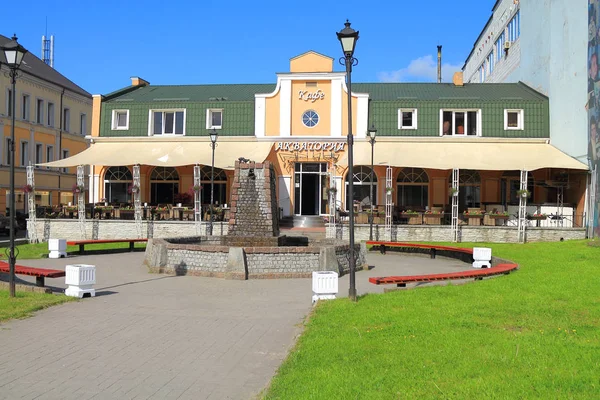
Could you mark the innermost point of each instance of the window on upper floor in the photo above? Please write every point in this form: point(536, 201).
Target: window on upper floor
point(120, 120)
point(167, 122)
point(65, 154)
point(67, 120)
point(407, 118)
point(460, 122)
point(214, 118)
point(24, 153)
point(490, 62)
point(8, 153)
point(83, 124)
point(500, 46)
point(9, 106)
point(51, 114)
point(513, 120)
point(49, 154)
point(39, 111)
point(514, 27)
point(25, 107)
point(39, 154)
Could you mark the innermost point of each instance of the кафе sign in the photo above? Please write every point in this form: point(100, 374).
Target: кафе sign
point(310, 146)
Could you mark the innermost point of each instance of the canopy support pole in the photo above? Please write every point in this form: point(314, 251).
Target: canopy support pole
point(197, 199)
point(389, 205)
point(454, 192)
point(522, 208)
point(32, 228)
point(137, 204)
point(81, 199)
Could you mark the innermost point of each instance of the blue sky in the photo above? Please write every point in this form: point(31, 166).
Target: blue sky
point(99, 45)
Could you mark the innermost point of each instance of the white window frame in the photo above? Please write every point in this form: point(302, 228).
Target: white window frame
point(115, 120)
point(460, 110)
point(169, 110)
point(520, 120)
point(49, 154)
point(414, 113)
point(209, 112)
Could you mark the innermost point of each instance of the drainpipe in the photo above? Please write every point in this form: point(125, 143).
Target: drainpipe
point(439, 65)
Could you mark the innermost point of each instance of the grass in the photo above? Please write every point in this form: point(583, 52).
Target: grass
point(532, 334)
point(25, 303)
point(40, 250)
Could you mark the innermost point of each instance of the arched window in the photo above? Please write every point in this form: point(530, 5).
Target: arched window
point(469, 194)
point(412, 188)
point(164, 185)
point(362, 187)
point(510, 184)
point(116, 183)
point(220, 185)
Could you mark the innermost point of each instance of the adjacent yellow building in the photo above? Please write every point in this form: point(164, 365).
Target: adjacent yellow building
point(52, 115)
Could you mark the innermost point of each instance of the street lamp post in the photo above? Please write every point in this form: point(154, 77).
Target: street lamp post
point(14, 53)
point(214, 135)
point(371, 133)
point(348, 38)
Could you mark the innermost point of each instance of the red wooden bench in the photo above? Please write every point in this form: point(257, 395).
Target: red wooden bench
point(401, 281)
point(82, 243)
point(39, 273)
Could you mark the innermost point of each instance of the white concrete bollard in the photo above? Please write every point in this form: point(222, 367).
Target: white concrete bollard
point(81, 279)
point(324, 285)
point(57, 248)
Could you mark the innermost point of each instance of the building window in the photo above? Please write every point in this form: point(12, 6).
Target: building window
point(413, 188)
point(164, 185)
point(362, 188)
point(39, 116)
point(214, 119)
point(39, 154)
point(65, 154)
point(67, 120)
point(310, 118)
point(49, 154)
point(120, 120)
point(500, 46)
point(513, 120)
point(116, 184)
point(490, 62)
point(460, 122)
point(483, 72)
point(83, 124)
point(24, 154)
point(25, 107)
point(8, 153)
point(51, 115)
point(167, 122)
point(220, 185)
point(407, 118)
point(514, 27)
point(9, 102)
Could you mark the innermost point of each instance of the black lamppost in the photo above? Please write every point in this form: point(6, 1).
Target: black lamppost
point(371, 133)
point(348, 38)
point(214, 135)
point(14, 53)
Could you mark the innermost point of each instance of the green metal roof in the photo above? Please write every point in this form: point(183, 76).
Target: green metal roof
point(233, 92)
point(377, 92)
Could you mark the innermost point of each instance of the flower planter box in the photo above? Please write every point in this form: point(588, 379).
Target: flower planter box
point(57, 248)
point(81, 279)
point(495, 220)
point(362, 218)
point(432, 219)
point(413, 219)
point(474, 220)
point(541, 218)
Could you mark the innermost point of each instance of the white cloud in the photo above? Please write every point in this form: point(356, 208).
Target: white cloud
point(420, 69)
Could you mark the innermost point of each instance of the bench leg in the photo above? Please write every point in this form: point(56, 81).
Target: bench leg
point(432, 253)
point(81, 246)
point(39, 281)
point(131, 246)
point(401, 285)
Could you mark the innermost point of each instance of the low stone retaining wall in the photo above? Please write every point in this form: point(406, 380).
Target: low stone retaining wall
point(69, 229)
point(442, 233)
point(210, 258)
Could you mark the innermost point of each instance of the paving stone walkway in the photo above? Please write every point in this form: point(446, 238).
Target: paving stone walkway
point(148, 336)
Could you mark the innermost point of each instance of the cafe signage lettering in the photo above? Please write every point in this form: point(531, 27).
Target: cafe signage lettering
point(311, 96)
point(310, 146)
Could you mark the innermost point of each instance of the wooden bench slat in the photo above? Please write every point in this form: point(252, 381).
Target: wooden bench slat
point(32, 271)
point(479, 273)
point(90, 241)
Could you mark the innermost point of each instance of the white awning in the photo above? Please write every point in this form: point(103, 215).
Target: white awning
point(478, 155)
point(166, 153)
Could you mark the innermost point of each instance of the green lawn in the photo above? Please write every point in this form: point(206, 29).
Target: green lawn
point(25, 303)
point(40, 250)
point(532, 334)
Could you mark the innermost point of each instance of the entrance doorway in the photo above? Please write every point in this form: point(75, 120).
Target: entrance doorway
point(310, 188)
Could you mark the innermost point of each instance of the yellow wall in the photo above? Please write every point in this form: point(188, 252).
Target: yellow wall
point(345, 113)
point(311, 62)
point(322, 106)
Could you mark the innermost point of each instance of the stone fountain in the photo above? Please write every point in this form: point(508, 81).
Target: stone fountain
point(253, 247)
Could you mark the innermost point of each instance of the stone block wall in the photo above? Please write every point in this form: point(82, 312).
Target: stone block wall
point(253, 201)
point(282, 262)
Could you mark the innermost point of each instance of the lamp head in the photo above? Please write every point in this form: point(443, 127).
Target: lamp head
point(214, 135)
point(372, 132)
point(348, 38)
point(14, 53)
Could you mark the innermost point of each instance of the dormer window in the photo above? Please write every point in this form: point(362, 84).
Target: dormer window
point(214, 118)
point(167, 122)
point(460, 123)
point(407, 118)
point(120, 120)
point(513, 120)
